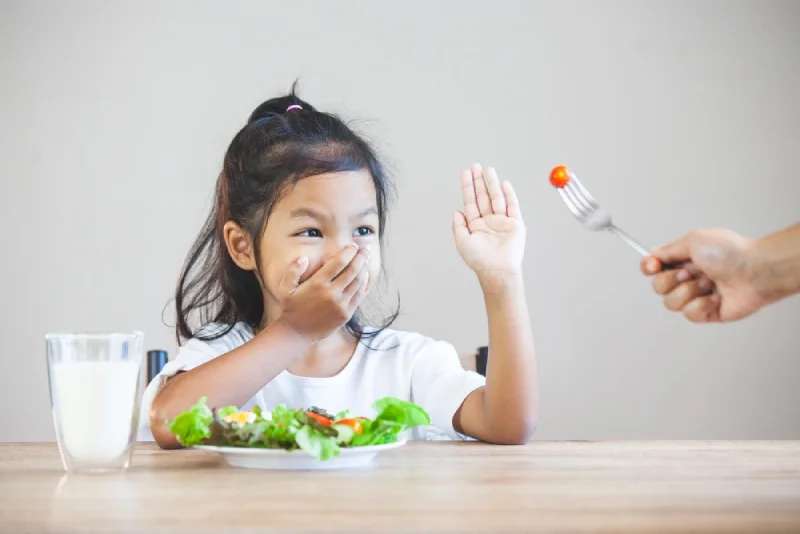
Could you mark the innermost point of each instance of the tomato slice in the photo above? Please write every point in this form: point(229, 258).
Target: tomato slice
point(354, 423)
point(321, 419)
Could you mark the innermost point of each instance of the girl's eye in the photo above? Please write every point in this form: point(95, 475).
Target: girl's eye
point(313, 232)
point(363, 231)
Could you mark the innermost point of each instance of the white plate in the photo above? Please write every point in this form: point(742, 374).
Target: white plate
point(297, 459)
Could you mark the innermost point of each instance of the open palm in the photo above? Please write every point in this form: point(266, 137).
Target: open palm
point(489, 233)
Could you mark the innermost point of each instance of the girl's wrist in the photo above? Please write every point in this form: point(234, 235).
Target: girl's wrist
point(500, 283)
point(285, 331)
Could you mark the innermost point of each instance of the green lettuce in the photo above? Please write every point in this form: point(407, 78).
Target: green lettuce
point(193, 426)
point(394, 417)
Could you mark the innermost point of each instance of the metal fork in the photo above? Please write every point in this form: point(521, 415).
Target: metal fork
point(586, 209)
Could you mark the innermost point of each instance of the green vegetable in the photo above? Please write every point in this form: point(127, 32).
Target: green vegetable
point(394, 417)
point(400, 411)
point(291, 429)
point(316, 444)
point(226, 410)
point(343, 415)
point(193, 426)
point(345, 434)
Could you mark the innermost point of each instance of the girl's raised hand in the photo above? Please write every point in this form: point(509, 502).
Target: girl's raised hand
point(317, 307)
point(489, 233)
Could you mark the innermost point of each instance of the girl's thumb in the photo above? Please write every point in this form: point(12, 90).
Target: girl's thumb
point(291, 278)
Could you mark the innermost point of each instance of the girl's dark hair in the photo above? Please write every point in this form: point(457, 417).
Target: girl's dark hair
point(275, 149)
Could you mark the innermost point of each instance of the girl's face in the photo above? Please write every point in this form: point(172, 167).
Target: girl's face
point(316, 218)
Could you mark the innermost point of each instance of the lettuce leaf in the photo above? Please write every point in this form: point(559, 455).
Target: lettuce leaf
point(316, 444)
point(225, 411)
point(394, 417)
point(193, 426)
point(402, 412)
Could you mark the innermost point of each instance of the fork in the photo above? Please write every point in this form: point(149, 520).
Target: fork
point(586, 209)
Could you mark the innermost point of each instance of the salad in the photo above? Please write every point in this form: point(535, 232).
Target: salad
point(314, 430)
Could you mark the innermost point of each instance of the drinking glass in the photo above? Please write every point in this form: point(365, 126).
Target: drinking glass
point(95, 380)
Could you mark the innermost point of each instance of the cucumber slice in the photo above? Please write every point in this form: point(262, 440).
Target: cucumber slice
point(345, 434)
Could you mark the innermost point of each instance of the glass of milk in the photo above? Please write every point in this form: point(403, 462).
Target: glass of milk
point(94, 392)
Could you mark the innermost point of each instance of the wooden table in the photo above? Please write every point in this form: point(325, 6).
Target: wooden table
point(423, 487)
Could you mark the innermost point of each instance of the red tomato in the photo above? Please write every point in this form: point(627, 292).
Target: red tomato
point(321, 419)
point(559, 177)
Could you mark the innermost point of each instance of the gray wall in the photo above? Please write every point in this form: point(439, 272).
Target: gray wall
point(114, 118)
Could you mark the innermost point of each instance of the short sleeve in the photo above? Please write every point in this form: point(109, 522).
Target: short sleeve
point(440, 384)
point(193, 354)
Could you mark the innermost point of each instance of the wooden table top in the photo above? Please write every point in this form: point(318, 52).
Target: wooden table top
point(422, 487)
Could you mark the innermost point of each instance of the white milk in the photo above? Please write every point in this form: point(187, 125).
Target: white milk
point(95, 403)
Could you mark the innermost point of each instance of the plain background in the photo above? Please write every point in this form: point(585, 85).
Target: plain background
point(114, 117)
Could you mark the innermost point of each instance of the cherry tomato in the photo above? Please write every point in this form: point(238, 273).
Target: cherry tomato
point(559, 177)
point(354, 423)
point(321, 419)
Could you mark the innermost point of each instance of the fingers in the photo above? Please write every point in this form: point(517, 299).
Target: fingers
point(703, 309)
point(484, 194)
point(481, 192)
point(468, 192)
point(650, 265)
point(353, 269)
point(496, 196)
point(675, 252)
point(335, 265)
point(360, 294)
point(512, 202)
point(666, 281)
point(687, 290)
point(460, 228)
point(359, 282)
point(678, 298)
point(291, 278)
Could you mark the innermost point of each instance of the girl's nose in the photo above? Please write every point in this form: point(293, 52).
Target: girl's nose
point(334, 246)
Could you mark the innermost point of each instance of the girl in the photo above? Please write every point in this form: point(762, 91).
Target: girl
point(291, 249)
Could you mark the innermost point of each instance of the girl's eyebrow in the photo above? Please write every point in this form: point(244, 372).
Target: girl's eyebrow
point(305, 212)
point(308, 212)
point(365, 213)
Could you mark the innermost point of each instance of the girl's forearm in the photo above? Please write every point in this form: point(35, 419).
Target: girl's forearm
point(511, 399)
point(231, 379)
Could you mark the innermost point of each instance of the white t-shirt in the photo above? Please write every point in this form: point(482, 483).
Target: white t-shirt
point(405, 365)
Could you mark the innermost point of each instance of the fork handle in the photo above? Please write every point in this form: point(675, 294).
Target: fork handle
point(672, 266)
point(644, 252)
point(638, 247)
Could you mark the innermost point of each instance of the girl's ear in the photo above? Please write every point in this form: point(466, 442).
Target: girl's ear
point(240, 246)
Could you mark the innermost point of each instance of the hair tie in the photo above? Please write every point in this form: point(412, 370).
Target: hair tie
point(293, 106)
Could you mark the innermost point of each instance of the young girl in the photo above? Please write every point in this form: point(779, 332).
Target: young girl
point(291, 249)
